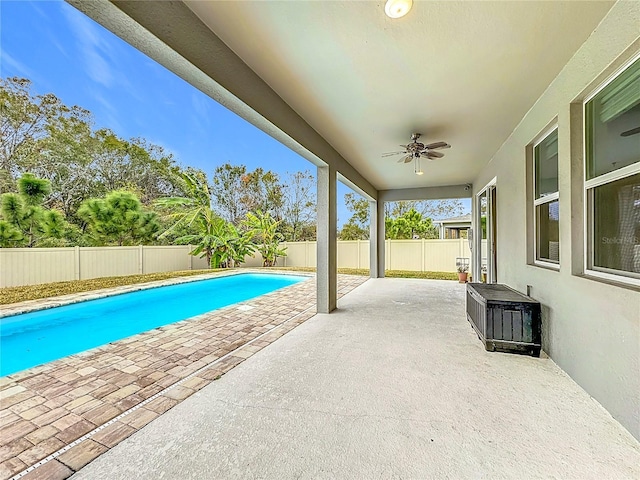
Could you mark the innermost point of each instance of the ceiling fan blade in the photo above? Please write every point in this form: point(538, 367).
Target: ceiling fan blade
point(391, 154)
point(431, 154)
point(435, 145)
point(408, 158)
point(402, 159)
point(628, 133)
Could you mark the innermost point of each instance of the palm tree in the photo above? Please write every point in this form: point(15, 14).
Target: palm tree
point(191, 209)
point(263, 228)
point(217, 240)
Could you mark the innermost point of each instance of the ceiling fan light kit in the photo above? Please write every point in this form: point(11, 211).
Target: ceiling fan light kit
point(415, 150)
point(416, 169)
point(397, 8)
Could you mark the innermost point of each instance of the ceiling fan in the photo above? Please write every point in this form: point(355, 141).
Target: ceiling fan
point(416, 150)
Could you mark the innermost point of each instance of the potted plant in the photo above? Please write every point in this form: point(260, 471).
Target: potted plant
point(463, 271)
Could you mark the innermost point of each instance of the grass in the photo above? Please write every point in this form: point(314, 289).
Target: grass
point(45, 290)
point(34, 292)
point(387, 273)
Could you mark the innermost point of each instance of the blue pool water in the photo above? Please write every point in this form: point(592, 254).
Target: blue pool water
point(39, 337)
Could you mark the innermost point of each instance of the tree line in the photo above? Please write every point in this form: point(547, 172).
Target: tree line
point(65, 183)
point(403, 220)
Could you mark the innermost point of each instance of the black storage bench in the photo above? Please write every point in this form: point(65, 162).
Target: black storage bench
point(504, 319)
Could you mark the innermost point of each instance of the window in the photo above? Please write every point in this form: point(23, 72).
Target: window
point(546, 200)
point(612, 176)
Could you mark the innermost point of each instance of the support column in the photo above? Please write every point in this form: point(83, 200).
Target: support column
point(374, 252)
point(377, 222)
point(327, 246)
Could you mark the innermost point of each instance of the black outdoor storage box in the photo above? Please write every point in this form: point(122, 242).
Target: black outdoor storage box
point(504, 319)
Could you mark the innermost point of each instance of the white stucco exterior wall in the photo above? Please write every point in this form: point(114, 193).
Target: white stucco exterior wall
point(591, 329)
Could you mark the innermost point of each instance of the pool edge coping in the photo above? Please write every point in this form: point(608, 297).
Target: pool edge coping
point(28, 306)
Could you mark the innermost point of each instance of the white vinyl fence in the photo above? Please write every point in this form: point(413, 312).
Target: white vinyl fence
point(416, 255)
point(31, 266)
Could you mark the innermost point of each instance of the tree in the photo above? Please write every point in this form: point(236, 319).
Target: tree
point(434, 209)
point(357, 227)
point(10, 236)
point(404, 219)
point(263, 191)
point(228, 193)
point(299, 207)
point(186, 214)
point(118, 218)
point(237, 192)
point(215, 238)
point(41, 135)
point(22, 124)
point(410, 225)
point(219, 241)
point(65, 160)
point(25, 220)
point(351, 231)
point(264, 230)
point(233, 246)
point(134, 164)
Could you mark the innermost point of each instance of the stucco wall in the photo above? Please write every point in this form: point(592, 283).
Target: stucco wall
point(591, 329)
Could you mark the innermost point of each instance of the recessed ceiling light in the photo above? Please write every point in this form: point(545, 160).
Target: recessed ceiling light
point(397, 8)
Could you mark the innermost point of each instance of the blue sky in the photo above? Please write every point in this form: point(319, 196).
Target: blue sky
point(64, 52)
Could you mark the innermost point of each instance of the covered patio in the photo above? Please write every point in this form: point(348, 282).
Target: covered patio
point(340, 83)
point(393, 385)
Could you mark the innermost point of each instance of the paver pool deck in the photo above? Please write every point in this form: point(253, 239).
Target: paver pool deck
point(72, 410)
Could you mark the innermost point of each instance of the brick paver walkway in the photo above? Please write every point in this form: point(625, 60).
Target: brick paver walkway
point(83, 404)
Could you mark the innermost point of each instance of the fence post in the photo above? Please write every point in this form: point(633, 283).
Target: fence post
point(422, 266)
point(358, 253)
point(140, 259)
point(388, 265)
point(190, 257)
point(284, 262)
point(76, 263)
point(306, 253)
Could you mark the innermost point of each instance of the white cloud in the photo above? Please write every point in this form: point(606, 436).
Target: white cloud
point(109, 113)
point(40, 12)
point(9, 66)
point(96, 52)
point(200, 106)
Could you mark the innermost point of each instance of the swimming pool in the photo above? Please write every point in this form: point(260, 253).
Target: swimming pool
point(34, 338)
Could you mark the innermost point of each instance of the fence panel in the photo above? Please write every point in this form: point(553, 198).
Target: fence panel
point(405, 255)
point(312, 252)
point(255, 261)
point(440, 255)
point(299, 254)
point(98, 262)
point(166, 258)
point(198, 263)
point(364, 254)
point(31, 266)
point(348, 255)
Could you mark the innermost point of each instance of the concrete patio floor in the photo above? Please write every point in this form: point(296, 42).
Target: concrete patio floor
point(393, 385)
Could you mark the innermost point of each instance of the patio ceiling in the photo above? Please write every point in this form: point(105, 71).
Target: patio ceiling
point(462, 72)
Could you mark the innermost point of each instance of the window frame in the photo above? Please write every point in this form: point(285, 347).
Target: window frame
point(552, 197)
point(588, 189)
